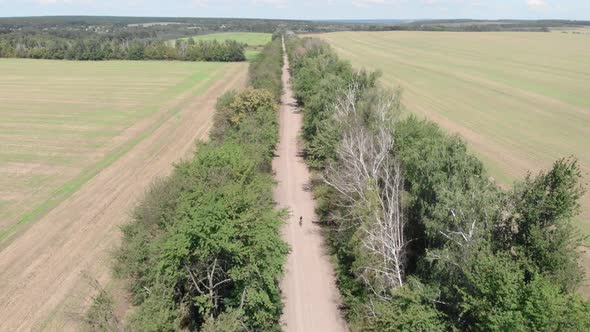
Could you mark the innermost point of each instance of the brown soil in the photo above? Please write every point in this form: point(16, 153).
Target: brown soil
point(83, 158)
point(42, 271)
point(309, 289)
point(585, 263)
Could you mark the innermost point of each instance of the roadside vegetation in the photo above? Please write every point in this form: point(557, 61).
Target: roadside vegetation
point(204, 249)
point(423, 239)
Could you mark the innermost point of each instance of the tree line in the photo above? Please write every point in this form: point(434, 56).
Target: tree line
point(204, 251)
point(168, 26)
point(117, 47)
point(424, 240)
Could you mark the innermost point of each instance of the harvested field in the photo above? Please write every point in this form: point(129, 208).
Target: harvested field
point(95, 135)
point(62, 122)
point(521, 100)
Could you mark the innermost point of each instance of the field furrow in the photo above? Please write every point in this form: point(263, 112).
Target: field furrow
point(80, 116)
point(47, 271)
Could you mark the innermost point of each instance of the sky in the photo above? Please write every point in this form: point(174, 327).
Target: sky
point(307, 9)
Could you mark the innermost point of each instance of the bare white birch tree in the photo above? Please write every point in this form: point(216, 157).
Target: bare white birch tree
point(369, 180)
point(207, 282)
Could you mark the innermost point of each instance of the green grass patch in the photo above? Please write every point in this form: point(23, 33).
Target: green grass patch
point(249, 38)
point(252, 54)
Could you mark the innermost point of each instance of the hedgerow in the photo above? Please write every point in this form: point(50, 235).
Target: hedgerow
point(204, 249)
point(472, 257)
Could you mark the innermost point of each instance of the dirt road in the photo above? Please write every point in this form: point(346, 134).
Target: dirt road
point(310, 294)
point(42, 283)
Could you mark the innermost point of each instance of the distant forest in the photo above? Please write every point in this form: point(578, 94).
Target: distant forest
point(478, 25)
point(147, 38)
point(145, 27)
point(176, 27)
point(125, 38)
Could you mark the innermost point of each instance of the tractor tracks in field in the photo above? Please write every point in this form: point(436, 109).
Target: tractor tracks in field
point(43, 270)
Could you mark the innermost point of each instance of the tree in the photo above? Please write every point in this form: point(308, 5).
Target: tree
point(539, 227)
point(411, 308)
point(227, 322)
point(265, 71)
point(181, 46)
point(136, 51)
point(499, 296)
point(369, 180)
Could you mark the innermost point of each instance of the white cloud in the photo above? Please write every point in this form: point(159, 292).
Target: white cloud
point(200, 3)
point(52, 2)
point(537, 4)
point(273, 3)
point(426, 3)
point(369, 3)
point(225, 3)
point(63, 2)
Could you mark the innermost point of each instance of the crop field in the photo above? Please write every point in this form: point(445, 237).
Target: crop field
point(521, 100)
point(250, 38)
point(81, 144)
point(573, 30)
point(62, 122)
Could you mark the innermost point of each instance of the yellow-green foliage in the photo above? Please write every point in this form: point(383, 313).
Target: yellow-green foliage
point(249, 100)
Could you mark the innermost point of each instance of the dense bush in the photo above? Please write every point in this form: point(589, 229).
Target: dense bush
point(499, 295)
point(266, 70)
point(474, 257)
point(539, 229)
point(204, 250)
point(319, 78)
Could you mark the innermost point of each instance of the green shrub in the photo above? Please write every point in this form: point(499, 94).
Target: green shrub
point(266, 70)
point(500, 296)
point(100, 316)
point(410, 309)
point(540, 228)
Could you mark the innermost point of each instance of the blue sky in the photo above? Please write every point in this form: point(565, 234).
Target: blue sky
point(307, 9)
